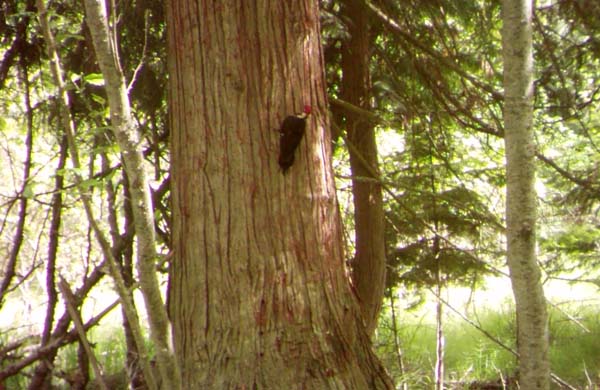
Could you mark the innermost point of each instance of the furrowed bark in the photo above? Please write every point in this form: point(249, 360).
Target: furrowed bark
point(259, 295)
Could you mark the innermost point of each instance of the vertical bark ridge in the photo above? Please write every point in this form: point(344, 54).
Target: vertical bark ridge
point(272, 253)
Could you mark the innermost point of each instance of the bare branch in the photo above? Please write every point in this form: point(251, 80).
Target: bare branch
point(138, 68)
point(71, 305)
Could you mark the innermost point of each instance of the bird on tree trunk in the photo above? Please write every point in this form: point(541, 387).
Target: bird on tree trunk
point(290, 135)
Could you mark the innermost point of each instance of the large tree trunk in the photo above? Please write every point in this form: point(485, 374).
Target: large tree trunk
point(532, 317)
point(259, 297)
point(368, 267)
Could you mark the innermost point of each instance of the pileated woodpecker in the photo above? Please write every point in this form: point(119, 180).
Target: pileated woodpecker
point(290, 135)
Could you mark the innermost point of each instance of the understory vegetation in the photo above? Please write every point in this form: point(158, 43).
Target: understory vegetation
point(473, 358)
point(475, 355)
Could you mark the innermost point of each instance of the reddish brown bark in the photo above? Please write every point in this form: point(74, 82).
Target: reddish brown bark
point(368, 266)
point(259, 297)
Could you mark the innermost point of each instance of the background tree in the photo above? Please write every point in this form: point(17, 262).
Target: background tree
point(521, 216)
point(128, 139)
point(368, 264)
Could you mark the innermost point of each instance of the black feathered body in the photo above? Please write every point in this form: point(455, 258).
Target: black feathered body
point(290, 134)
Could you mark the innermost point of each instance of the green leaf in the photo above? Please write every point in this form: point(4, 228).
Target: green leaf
point(88, 183)
point(28, 191)
point(94, 79)
point(98, 99)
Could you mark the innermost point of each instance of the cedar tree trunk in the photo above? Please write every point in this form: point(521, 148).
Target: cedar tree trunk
point(259, 297)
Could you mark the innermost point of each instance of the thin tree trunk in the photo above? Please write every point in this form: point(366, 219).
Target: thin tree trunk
point(369, 265)
point(532, 317)
point(395, 330)
point(258, 297)
point(129, 141)
point(439, 341)
point(439, 313)
point(68, 125)
point(41, 378)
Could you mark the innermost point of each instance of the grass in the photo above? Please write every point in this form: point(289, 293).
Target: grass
point(470, 356)
point(575, 348)
point(108, 345)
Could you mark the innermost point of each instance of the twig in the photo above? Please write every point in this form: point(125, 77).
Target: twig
point(569, 317)
point(70, 303)
point(138, 68)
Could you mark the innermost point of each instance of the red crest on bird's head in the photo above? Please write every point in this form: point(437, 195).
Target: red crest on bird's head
point(307, 109)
